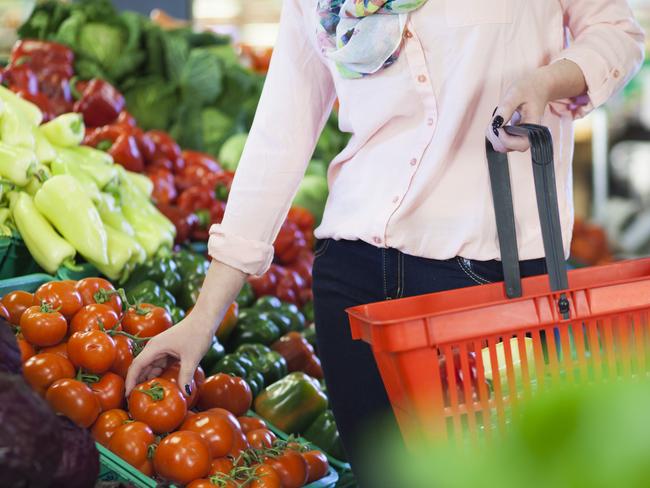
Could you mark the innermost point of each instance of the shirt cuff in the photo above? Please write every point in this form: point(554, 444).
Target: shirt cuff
point(249, 256)
point(601, 81)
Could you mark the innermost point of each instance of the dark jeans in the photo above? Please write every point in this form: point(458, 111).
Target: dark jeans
point(349, 273)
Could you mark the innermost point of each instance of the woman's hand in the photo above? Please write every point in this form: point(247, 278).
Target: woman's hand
point(526, 99)
point(188, 340)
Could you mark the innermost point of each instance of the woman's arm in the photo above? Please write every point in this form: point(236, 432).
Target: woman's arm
point(296, 101)
point(607, 50)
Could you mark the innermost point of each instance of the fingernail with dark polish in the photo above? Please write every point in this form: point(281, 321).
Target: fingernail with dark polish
point(497, 122)
point(495, 111)
point(188, 390)
point(496, 131)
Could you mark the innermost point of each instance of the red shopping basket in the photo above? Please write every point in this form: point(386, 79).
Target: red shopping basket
point(457, 364)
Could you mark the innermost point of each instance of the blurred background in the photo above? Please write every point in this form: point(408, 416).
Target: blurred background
point(612, 156)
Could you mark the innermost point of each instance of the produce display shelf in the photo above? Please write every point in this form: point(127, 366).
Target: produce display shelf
point(15, 258)
point(84, 270)
point(28, 283)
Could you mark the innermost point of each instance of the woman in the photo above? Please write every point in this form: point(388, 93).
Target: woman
point(410, 209)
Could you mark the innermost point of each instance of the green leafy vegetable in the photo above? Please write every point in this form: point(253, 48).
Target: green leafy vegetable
point(152, 101)
point(202, 76)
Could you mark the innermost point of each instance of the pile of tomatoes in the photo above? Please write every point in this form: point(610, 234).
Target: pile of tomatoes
point(77, 341)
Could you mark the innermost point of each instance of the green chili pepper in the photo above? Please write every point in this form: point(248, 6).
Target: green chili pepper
point(293, 403)
point(62, 201)
point(102, 171)
point(45, 152)
point(29, 112)
point(144, 184)
point(61, 166)
point(295, 316)
point(121, 248)
point(66, 130)
point(212, 357)
point(15, 131)
point(267, 303)
point(189, 290)
point(246, 298)
point(235, 364)
point(254, 330)
point(324, 434)
point(47, 247)
point(190, 263)
point(256, 382)
point(270, 363)
point(112, 215)
point(16, 163)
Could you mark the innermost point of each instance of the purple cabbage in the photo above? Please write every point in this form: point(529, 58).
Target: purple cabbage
point(79, 465)
point(9, 352)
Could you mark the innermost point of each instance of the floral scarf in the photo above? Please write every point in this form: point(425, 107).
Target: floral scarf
point(363, 36)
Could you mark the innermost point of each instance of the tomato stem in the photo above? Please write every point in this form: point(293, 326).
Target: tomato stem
point(86, 378)
point(156, 392)
point(46, 307)
point(151, 450)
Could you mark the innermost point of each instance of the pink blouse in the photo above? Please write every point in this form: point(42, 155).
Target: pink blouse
point(414, 175)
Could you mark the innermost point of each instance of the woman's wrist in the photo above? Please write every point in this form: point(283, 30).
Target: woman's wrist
point(561, 79)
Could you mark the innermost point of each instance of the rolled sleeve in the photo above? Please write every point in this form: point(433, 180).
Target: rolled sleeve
point(607, 44)
point(296, 101)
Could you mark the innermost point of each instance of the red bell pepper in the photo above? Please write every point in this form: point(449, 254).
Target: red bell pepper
point(55, 85)
point(305, 222)
point(164, 190)
point(185, 222)
point(196, 198)
point(289, 242)
point(126, 118)
point(299, 354)
point(119, 142)
point(43, 56)
point(164, 163)
point(265, 284)
point(20, 77)
point(100, 103)
point(166, 147)
point(196, 158)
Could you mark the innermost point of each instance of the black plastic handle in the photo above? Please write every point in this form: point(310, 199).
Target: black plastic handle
point(541, 147)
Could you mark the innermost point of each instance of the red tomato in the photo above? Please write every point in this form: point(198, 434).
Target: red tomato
point(206, 483)
point(42, 327)
point(107, 423)
point(171, 374)
point(240, 444)
point(251, 423)
point(131, 442)
point(26, 349)
point(158, 403)
point(266, 477)
point(45, 368)
point(317, 465)
point(61, 349)
point(95, 316)
point(182, 457)
point(16, 302)
point(75, 400)
point(261, 438)
point(225, 391)
point(93, 350)
point(61, 296)
point(291, 467)
point(222, 465)
point(99, 290)
point(215, 431)
point(232, 420)
point(146, 320)
point(123, 355)
point(109, 390)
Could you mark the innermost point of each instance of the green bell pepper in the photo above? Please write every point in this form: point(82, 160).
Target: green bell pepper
point(254, 329)
point(325, 435)
point(190, 263)
point(308, 312)
point(235, 364)
point(267, 303)
point(282, 321)
point(270, 363)
point(189, 290)
point(212, 357)
point(293, 313)
point(255, 380)
point(151, 292)
point(161, 270)
point(177, 314)
point(246, 297)
point(293, 403)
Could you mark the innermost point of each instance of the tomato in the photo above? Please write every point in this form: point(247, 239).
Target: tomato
point(251, 423)
point(131, 442)
point(93, 350)
point(222, 465)
point(99, 290)
point(123, 355)
point(61, 296)
point(109, 390)
point(146, 320)
point(4, 313)
point(107, 423)
point(291, 467)
point(215, 430)
point(75, 400)
point(45, 368)
point(43, 327)
point(261, 438)
point(240, 444)
point(158, 403)
point(16, 302)
point(61, 349)
point(26, 349)
point(232, 420)
point(182, 457)
point(266, 477)
point(317, 465)
point(95, 316)
point(171, 374)
point(199, 376)
point(225, 391)
point(202, 483)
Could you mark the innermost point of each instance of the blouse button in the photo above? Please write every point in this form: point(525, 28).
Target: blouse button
point(395, 199)
point(616, 73)
point(430, 121)
point(422, 78)
point(377, 240)
point(408, 34)
point(413, 162)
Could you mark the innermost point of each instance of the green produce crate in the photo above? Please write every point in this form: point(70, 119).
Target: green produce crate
point(86, 270)
point(26, 283)
point(15, 259)
point(112, 468)
point(199, 247)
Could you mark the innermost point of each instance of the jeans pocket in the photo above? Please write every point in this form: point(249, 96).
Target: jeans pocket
point(481, 273)
point(321, 247)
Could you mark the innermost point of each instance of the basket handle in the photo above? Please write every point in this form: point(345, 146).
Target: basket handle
point(541, 146)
